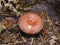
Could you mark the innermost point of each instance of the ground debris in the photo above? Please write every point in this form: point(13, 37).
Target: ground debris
point(10, 11)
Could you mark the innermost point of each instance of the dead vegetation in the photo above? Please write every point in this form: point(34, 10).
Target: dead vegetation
point(10, 34)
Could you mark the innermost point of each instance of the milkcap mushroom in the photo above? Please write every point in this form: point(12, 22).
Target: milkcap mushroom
point(30, 23)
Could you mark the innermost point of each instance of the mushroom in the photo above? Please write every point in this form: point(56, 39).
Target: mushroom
point(30, 23)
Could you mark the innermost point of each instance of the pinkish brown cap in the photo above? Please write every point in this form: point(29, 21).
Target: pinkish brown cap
point(30, 23)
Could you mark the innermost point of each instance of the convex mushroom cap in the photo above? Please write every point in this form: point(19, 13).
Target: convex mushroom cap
point(30, 23)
